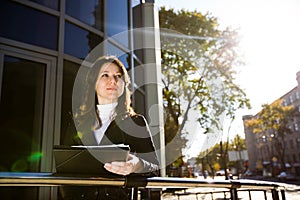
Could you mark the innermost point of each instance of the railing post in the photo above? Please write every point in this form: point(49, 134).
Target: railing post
point(233, 194)
point(283, 194)
point(275, 195)
point(265, 194)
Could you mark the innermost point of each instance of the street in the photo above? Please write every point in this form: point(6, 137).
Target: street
point(292, 192)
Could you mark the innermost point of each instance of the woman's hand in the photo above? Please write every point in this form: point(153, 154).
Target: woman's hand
point(133, 165)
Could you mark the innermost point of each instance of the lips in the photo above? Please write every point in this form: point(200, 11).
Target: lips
point(111, 89)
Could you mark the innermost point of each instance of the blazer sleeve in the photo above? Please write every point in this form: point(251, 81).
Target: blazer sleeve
point(140, 140)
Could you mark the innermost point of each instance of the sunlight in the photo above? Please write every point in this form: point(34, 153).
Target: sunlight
point(270, 41)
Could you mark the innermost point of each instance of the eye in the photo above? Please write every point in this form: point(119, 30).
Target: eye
point(118, 76)
point(104, 75)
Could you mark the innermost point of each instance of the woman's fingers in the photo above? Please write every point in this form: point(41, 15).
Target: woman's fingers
point(122, 168)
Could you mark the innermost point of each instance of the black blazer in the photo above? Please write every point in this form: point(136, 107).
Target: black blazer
point(133, 131)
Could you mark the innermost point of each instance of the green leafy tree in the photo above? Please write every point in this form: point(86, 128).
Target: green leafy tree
point(211, 158)
point(197, 75)
point(217, 158)
point(272, 124)
point(238, 144)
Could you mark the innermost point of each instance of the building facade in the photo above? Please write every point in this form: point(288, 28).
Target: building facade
point(261, 152)
point(42, 46)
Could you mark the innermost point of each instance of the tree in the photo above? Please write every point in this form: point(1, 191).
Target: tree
point(238, 144)
point(216, 158)
point(197, 75)
point(271, 125)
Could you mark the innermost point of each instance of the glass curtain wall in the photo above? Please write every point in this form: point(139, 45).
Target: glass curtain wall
point(36, 97)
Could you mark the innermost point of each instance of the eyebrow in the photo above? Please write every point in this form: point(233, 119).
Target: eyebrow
point(109, 72)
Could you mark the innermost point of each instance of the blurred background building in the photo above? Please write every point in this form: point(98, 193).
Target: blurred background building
point(261, 150)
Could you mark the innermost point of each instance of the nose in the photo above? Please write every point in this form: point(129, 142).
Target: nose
point(113, 79)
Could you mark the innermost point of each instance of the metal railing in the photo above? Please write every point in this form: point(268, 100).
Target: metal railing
point(232, 187)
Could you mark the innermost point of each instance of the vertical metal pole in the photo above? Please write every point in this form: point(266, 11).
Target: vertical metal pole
point(249, 191)
point(134, 193)
point(282, 194)
point(265, 194)
point(233, 194)
point(275, 195)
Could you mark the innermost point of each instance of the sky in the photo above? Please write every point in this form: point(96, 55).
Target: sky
point(270, 40)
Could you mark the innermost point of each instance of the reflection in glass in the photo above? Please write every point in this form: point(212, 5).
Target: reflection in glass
point(89, 12)
point(28, 25)
point(49, 3)
point(135, 3)
point(79, 42)
point(117, 21)
point(123, 56)
point(21, 114)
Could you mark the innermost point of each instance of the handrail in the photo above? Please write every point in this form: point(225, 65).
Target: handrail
point(50, 179)
point(27, 178)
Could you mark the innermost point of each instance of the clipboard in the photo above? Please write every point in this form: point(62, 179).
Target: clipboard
point(87, 160)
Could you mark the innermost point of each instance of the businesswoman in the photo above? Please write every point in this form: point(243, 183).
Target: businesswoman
point(106, 117)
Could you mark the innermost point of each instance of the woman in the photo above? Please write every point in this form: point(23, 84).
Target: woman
point(106, 117)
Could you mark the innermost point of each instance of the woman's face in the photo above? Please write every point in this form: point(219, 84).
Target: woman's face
point(109, 85)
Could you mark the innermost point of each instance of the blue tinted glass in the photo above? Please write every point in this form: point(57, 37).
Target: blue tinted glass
point(27, 25)
point(117, 18)
point(125, 60)
point(79, 42)
point(87, 11)
point(135, 3)
point(123, 56)
point(49, 3)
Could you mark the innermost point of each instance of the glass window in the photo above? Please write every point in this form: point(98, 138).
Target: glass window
point(296, 128)
point(117, 19)
point(284, 102)
point(79, 42)
point(135, 3)
point(123, 56)
point(87, 11)
point(67, 125)
point(291, 99)
point(21, 114)
point(49, 3)
point(28, 25)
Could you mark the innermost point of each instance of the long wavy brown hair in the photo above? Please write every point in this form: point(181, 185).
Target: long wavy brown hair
point(88, 107)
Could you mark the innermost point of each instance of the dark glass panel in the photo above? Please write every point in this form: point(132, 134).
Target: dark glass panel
point(49, 3)
point(117, 19)
point(21, 114)
point(139, 102)
point(11, 193)
point(67, 125)
point(24, 24)
point(79, 42)
point(21, 119)
point(87, 11)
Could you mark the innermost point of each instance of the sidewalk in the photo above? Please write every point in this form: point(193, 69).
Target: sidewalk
point(296, 181)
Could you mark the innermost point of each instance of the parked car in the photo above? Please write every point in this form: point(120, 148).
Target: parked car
point(220, 172)
point(286, 176)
